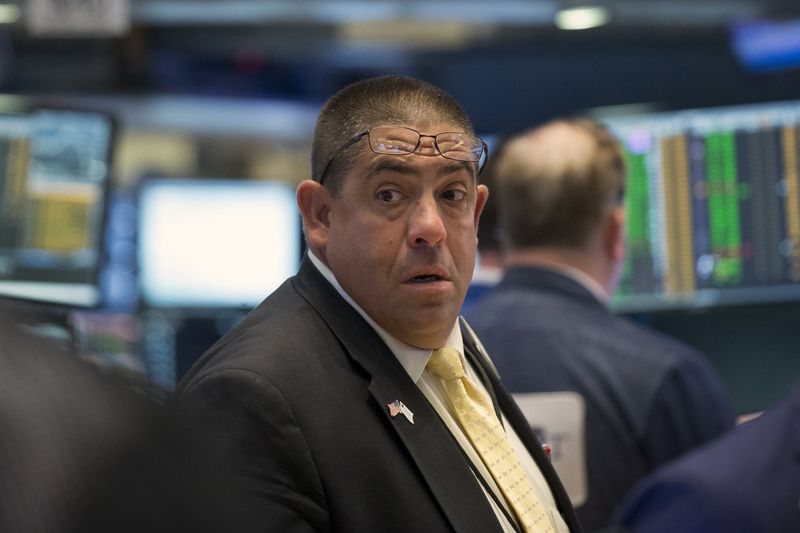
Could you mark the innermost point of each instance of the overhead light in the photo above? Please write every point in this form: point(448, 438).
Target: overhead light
point(417, 34)
point(582, 18)
point(9, 13)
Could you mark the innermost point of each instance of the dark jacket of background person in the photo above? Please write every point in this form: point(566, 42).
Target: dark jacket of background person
point(299, 390)
point(83, 454)
point(648, 398)
point(745, 482)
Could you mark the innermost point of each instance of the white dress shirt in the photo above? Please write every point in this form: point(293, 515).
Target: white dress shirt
point(414, 361)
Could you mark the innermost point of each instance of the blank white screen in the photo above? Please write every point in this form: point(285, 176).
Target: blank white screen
point(221, 243)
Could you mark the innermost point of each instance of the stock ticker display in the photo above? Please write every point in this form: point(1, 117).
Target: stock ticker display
point(54, 168)
point(712, 207)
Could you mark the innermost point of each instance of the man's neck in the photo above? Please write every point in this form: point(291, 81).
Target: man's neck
point(575, 263)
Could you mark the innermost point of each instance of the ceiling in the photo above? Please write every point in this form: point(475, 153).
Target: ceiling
point(476, 12)
point(301, 51)
point(361, 15)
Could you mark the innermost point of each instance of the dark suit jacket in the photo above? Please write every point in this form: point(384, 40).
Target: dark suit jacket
point(745, 482)
point(648, 397)
point(299, 390)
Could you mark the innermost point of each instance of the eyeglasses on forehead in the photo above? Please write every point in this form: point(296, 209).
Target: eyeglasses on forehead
point(398, 140)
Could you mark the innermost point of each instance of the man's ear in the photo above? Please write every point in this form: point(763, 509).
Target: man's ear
point(314, 202)
point(482, 196)
point(614, 238)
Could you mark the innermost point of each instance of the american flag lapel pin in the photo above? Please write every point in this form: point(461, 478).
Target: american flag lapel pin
point(397, 407)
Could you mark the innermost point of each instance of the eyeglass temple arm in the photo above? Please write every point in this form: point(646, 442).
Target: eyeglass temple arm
point(354, 139)
point(486, 154)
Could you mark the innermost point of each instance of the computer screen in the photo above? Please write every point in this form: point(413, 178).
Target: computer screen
point(54, 174)
point(215, 243)
point(712, 206)
point(766, 45)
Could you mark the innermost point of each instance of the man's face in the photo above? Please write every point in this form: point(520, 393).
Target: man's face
point(402, 238)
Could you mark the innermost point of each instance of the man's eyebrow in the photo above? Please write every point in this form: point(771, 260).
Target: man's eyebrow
point(454, 166)
point(392, 164)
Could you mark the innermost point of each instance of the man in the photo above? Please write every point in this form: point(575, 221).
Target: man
point(647, 397)
point(745, 482)
point(344, 393)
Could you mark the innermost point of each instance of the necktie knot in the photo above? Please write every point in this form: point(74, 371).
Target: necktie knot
point(446, 363)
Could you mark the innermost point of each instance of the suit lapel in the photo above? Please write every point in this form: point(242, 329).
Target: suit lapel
point(437, 456)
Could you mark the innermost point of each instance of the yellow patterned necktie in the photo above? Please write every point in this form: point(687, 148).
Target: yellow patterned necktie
point(475, 413)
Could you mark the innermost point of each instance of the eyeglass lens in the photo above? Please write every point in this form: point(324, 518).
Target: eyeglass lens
point(398, 140)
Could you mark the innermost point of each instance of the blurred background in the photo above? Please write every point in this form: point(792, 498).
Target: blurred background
point(151, 149)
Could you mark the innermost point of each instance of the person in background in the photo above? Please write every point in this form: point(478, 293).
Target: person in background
point(81, 453)
point(647, 397)
point(745, 482)
point(489, 269)
point(353, 396)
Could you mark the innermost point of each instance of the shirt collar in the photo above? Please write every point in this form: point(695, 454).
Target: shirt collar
point(582, 278)
point(411, 358)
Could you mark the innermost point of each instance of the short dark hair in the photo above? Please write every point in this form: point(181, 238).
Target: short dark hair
point(372, 102)
point(557, 181)
point(490, 238)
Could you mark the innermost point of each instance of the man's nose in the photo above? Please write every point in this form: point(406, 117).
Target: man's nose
point(426, 227)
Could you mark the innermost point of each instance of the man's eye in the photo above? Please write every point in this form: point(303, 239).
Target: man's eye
point(388, 195)
point(454, 195)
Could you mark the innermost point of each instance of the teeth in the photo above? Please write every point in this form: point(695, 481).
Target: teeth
point(426, 278)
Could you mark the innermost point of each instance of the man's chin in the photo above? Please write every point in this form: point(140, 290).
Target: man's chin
point(427, 330)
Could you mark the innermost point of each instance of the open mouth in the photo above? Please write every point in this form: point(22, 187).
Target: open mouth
point(426, 278)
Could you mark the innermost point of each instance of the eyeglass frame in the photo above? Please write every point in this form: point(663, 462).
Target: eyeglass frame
point(357, 137)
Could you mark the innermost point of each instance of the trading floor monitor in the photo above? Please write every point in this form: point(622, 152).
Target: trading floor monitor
point(209, 250)
point(211, 244)
point(54, 175)
point(712, 207)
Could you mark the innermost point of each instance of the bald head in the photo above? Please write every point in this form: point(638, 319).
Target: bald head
point(556, 182)
point(555, 149)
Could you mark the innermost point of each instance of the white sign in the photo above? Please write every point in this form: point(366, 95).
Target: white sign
point(77, 18)
point(557, 418)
